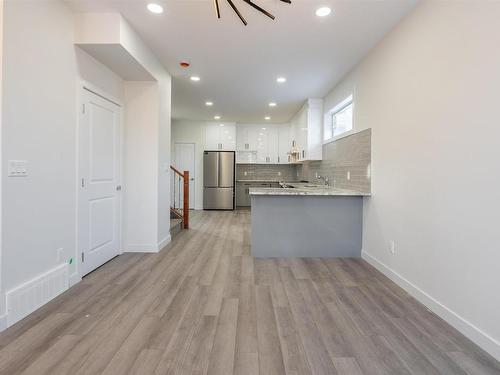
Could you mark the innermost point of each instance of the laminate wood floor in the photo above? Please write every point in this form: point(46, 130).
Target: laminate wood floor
point(205, 306)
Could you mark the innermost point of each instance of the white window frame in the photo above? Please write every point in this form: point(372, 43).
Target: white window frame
point(349, 100)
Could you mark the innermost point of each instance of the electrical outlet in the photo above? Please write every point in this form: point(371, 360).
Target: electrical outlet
point(392, 247)
point(348, 175)
point(59, 253)
point(17, 168)
point(279, 173)
point(246, 173)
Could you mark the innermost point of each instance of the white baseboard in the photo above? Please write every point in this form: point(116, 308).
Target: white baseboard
point(3, 323)
point(164, 242)
point(74, 279)
point(33, 294)
point(147, 248)
point(480, 338)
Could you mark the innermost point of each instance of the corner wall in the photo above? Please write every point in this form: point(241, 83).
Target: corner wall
point(3, 317)
point(192, 132)
point(42, 71)
point(430, 92)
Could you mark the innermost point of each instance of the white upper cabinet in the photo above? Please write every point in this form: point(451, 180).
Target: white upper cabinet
point(306, 129)
point(284, 144)
point(242, 138)
point(220, 137)
point(247, 136)
point(272, 145)
point(263, 144)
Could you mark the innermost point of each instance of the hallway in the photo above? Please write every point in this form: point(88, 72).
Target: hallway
point(204, 306)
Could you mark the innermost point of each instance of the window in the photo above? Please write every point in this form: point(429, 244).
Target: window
point(341, 119)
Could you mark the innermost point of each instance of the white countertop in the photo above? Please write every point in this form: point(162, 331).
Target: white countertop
point(302, 189)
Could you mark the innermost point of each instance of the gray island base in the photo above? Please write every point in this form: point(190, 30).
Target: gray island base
point(327, 226)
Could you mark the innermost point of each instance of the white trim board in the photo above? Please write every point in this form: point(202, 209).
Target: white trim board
point(3, 323)
point(74, 279)
point(33, 294)
point(480, 338)
point(148, 248)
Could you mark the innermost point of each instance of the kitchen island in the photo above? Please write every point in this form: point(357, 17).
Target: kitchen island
point(305, 220)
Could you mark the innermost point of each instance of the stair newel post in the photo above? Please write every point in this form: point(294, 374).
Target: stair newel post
point(186, 200)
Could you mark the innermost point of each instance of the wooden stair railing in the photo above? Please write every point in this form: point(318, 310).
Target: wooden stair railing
point(180, 181)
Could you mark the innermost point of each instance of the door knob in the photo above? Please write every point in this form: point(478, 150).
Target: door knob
point(119, 188)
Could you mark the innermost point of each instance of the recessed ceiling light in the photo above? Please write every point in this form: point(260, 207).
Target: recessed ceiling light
point(281, 79)
point(217, 117)
point(155, 8)
point(272, 104)
point(209, 104)
point(263, 128)
point(323, 11)
point(267, 118)
point(195, 78)
point(221, 125)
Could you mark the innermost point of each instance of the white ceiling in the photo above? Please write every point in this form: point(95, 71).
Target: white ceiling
point(238, 65)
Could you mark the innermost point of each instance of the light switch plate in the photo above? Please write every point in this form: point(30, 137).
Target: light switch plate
point(18, 168)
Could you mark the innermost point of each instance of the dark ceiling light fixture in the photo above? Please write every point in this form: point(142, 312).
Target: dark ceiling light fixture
point(249, 2)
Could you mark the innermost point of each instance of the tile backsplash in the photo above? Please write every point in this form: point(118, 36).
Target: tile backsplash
point(346, 162)
point(271, 172)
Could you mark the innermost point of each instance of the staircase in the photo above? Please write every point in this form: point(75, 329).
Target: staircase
point(179, 202)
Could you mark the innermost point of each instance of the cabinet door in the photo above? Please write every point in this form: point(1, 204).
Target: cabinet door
point(262, 147)
point(272, 145)
point(302, 133)
point(241, 138)
point(252, 137)
point(212, 138)
point(228, 137)
point(284, 144)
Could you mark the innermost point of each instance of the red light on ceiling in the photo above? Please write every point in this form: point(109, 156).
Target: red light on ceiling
point(184, 64)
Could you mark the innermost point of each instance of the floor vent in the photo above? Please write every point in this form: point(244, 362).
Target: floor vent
point(28, 297)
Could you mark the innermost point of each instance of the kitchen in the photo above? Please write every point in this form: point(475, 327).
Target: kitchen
point(290, 174)
point(249, 187)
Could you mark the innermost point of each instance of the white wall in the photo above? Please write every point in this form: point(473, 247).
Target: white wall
point(192, 132)
point(42, 70)
point(140, 225)
point(109, 30)
point(430, 92)
point(3, 318)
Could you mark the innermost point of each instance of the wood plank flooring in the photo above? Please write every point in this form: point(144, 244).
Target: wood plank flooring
point(205, 306)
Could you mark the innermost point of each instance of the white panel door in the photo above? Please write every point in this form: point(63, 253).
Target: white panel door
point(99, 208)
point(184, 155)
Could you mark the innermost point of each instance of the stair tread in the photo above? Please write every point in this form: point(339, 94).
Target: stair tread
point(175, 222)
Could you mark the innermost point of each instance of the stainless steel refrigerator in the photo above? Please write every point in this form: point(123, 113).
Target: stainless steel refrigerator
point(218, 180)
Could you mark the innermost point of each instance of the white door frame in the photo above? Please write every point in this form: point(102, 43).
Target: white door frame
point(83, 87)
point(193, 193)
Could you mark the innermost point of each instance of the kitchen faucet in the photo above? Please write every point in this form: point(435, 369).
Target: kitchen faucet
point(325, 179)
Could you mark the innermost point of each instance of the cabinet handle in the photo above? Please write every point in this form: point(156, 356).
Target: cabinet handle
point(278, 159)
point(303, 154)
